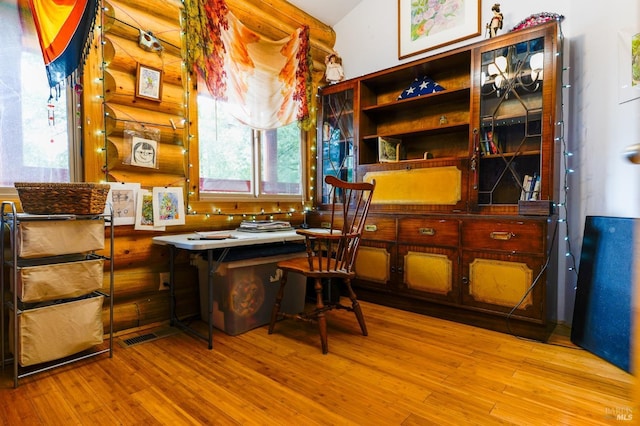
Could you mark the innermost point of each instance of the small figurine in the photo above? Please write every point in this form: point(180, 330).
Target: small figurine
point(334, 72)
point(496, 22)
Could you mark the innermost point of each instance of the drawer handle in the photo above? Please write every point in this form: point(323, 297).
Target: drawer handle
point(325, 225)
point(427, 231)
point(370, 228)
point(504, 236)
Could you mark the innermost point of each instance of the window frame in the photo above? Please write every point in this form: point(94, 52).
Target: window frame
point(73, 108)
point(256, 194)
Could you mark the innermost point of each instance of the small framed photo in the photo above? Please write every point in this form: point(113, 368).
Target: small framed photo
point(148, 83)
point(423, 27)
point(389, 149)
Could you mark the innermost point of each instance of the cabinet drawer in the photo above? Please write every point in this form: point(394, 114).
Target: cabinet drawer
point(428, 231)
point(512, 236)
point(379, 228)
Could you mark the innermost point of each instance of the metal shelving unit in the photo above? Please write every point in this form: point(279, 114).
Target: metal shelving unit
point(62, 298)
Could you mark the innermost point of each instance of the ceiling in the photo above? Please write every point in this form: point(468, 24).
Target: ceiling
point(328, 12)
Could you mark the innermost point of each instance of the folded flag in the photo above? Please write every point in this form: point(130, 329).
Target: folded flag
point(420, 86)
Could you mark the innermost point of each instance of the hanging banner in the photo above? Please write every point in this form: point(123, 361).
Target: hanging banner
point(63, 28)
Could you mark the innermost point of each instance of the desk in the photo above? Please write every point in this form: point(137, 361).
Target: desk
point(193, 242)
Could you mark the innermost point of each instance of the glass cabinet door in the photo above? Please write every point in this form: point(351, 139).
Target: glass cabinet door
point(515, 129)
point(335, 136)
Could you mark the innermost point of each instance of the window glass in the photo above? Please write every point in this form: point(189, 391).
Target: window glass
point(229, 152)
point(225, 149)
point(281, 166)
point(34, 139)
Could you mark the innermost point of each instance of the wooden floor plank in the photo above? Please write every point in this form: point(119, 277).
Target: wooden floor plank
point(410, 370)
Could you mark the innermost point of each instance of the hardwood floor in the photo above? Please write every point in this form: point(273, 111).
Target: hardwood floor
point(410, 370)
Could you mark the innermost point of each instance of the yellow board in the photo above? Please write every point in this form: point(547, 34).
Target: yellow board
point(428, 272)
point(500, 283)
point(434, 185)
point(372, 264)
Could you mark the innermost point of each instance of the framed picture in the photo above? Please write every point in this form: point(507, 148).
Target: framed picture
point(389, 150)
point(122, 198)
point(148, 83)
point(144, 152)
point(422, 27)
point(628, 65)
point(168, 206)
point(144, 212)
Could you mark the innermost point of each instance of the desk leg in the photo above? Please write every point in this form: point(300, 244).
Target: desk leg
point(210, 294)
point(172, 286)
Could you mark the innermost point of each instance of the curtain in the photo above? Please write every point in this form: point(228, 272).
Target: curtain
point(266, 84)
point(63, 28)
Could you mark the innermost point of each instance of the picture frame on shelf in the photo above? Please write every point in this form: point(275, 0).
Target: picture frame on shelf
point(421, 29)
point(148, 83)
point(389, 149)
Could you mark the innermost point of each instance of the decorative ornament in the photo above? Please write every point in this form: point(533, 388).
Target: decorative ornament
point(495, 23)
point(334, 72)
point(149, 42)
point(537, 19)
point(51, 113)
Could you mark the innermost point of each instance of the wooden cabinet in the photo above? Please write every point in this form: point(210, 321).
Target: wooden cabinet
point(516, 102)
point(457, 169)
point(336, 136)
point(503, 266)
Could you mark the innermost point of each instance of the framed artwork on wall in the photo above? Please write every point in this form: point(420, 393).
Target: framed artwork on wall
point(423, 27)
point(168, 206)
point(628, 65)
point(122, 198)
point(148, 83)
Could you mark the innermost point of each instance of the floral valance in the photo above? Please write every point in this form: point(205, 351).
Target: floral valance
point(266, 83)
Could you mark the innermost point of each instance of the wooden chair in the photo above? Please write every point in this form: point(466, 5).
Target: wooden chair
point(331, 255)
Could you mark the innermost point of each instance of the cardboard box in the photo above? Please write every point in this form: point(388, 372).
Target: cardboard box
point(244, 292)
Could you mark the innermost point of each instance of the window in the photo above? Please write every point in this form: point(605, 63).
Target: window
point(34, 137)
point(233, 156)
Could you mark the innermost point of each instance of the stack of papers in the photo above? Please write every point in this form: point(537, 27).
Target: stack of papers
point(264, 225)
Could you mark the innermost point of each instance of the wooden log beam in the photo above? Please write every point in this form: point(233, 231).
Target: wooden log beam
point(148, 179)
point(124, 55)
point(120, 87)
point(117, 115)
point(171, 158)
point(126, 21)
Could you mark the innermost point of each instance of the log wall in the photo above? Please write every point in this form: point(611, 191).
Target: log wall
point(110, 103)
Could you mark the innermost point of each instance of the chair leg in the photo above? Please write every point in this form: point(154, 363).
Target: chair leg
point(356, 308)
point(322, 320)
point(276, 306)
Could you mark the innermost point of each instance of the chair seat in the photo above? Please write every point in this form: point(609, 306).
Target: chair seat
point(301, 265)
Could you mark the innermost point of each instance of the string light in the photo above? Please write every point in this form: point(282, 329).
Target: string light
point(563, 213)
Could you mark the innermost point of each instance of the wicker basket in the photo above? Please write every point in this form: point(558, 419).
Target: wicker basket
point(62, 198)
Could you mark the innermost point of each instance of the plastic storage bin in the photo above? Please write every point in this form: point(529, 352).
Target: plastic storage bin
point(244, 292)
